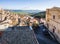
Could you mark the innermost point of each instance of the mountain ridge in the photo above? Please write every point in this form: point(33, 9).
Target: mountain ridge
point(26, 11)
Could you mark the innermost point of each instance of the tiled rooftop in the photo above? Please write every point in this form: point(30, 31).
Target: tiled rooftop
point(18, 35)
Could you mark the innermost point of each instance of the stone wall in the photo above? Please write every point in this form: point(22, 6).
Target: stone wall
point(53, 19)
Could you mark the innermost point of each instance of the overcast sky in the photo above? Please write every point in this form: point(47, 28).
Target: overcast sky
point(29, 4)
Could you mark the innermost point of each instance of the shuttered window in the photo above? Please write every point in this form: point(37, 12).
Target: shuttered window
point(53, 16)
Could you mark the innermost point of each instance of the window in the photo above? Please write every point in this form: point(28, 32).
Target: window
point(58, 16)
point(48, 20)
point(53, 16)
point(54, 29)
point(0, 13)
point(7, 13)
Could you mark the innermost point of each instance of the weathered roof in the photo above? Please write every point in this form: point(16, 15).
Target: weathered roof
point(56, 8)
point(19, 35)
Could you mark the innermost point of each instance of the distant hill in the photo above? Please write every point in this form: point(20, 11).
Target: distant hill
point(41, 14)
point(29, 12)
point(25, 11)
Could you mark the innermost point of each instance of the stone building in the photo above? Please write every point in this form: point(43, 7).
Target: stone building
point(2, 15)
point(7, 16)
point(53, 21)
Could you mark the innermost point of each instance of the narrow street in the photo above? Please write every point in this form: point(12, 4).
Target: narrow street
point(42, 38)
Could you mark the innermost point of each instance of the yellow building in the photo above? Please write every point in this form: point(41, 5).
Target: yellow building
point(53, 21)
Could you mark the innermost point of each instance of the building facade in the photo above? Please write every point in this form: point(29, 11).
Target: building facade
point(53, 21)
point(2, 16)
point(10, 17)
